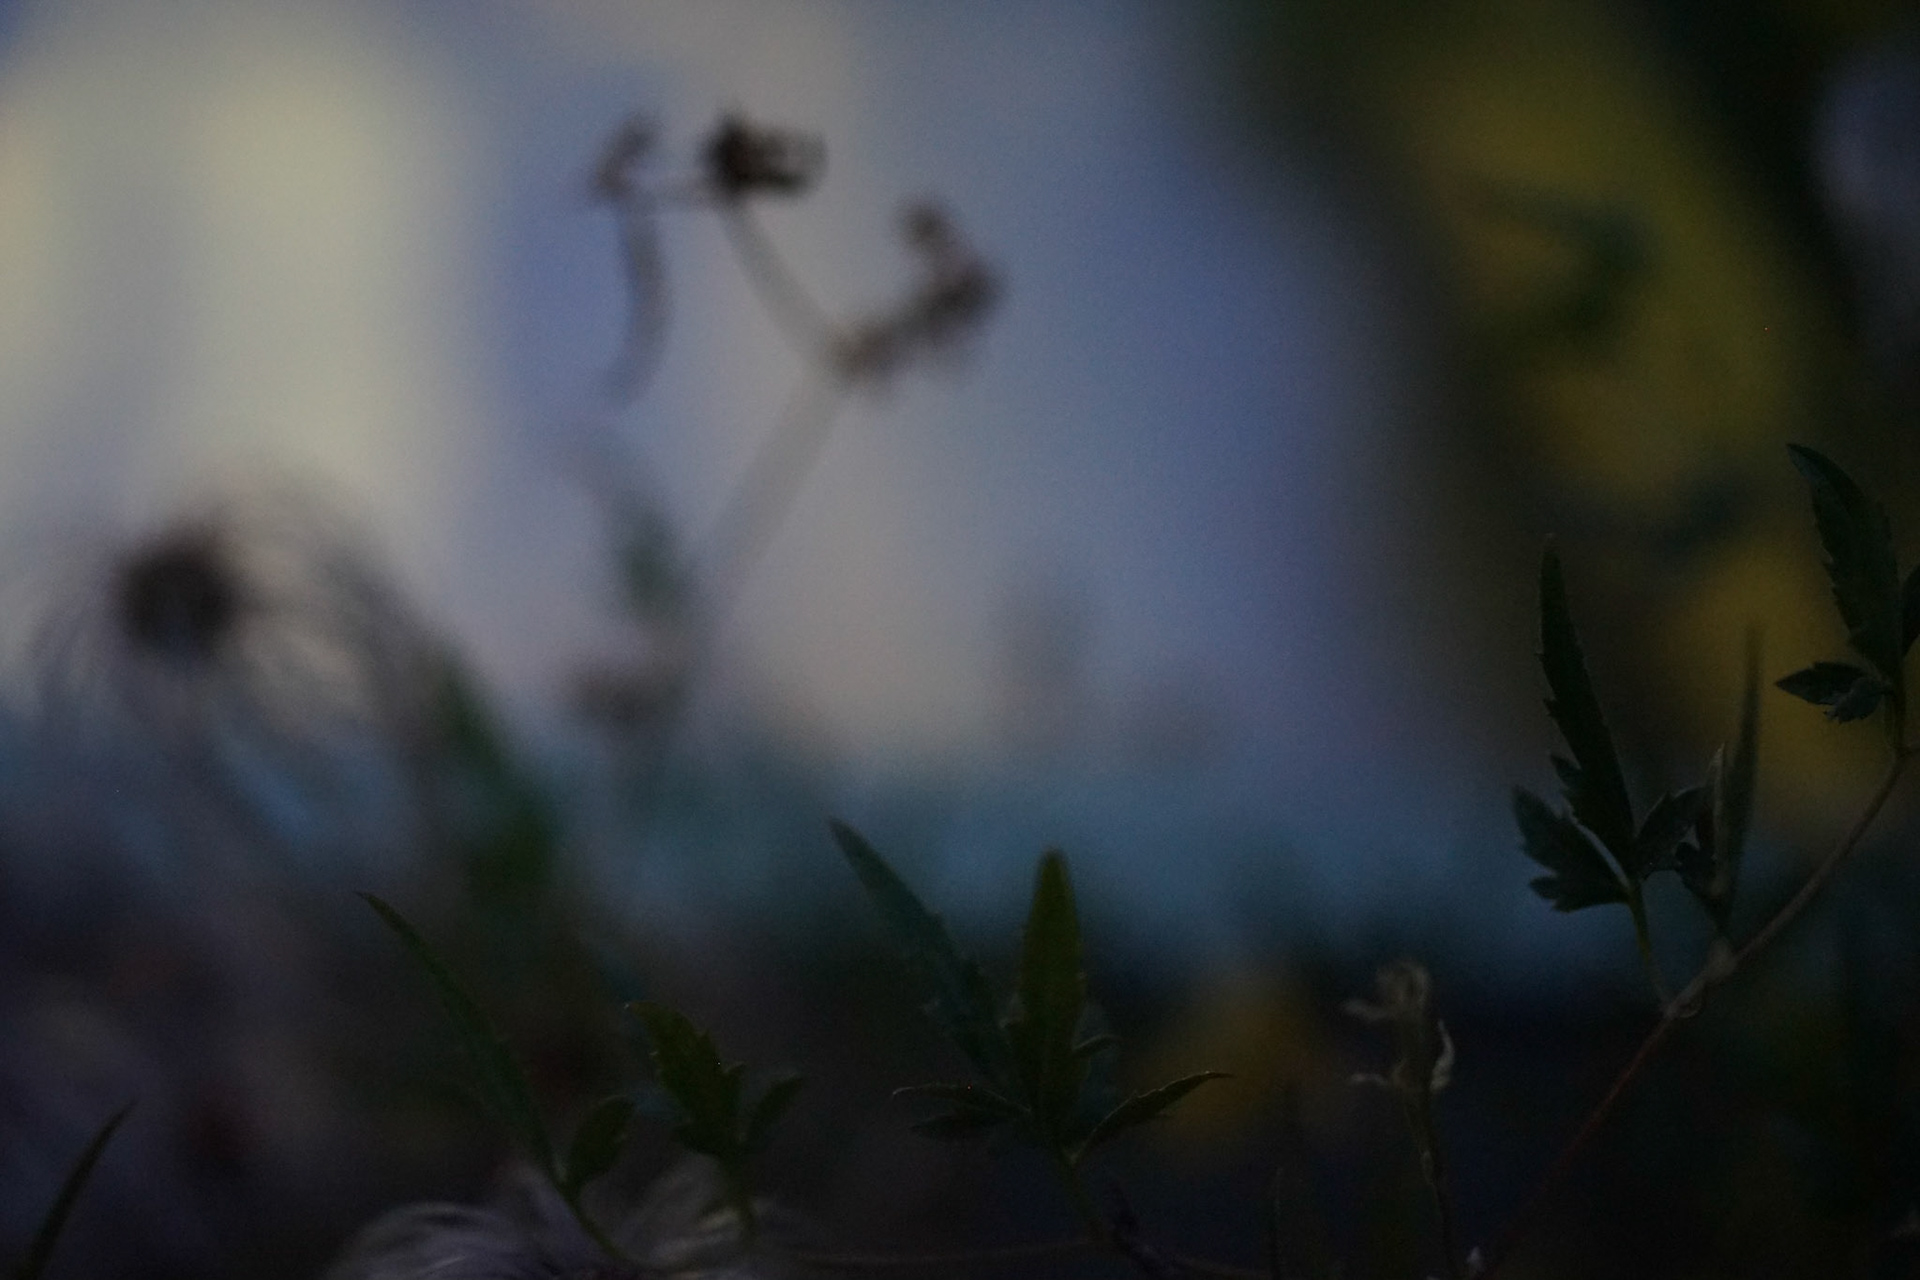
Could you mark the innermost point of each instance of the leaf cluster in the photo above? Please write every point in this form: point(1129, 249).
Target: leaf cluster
point(706, 1093)
point(709, 1096)
point(1034, 1054)
point(1881, 614)
point(1597, 850)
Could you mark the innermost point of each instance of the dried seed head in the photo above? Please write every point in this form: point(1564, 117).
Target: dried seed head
point(953, 298)
point(179, 599)
point(744, 159)
point(243, 673)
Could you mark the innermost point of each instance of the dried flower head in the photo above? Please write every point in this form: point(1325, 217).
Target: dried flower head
point(953, 298)
point(245, 663)
point(1425, 1061)
point(746, 159)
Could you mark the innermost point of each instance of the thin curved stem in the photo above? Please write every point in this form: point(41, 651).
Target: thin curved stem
point(762, 497)
point(804, 322)
point(1716, 973)
point(1643, 941)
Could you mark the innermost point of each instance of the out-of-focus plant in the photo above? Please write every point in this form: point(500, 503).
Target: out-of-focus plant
point(1042, 1059)
point(677, 594)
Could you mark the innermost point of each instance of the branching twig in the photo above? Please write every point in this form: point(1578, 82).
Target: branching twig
point(1717, 972)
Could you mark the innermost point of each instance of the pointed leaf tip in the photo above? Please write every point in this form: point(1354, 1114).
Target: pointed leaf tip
point(503, 1087)
point(1051, 996)
point(1143, 1107)
point(962, 1003)
point(1594, 786)
point(1847, 692)
point(1858, 541)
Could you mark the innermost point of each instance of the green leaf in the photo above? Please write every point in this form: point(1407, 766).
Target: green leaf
point(1823, 683)
point(1860, 564)
point(1670, 821)
point(970, 1110)
point(766, 1112)
point(1595, 789)
point(1142, 1107)
point(597, 1143)
point(962, 1003)
point(1582, 876)
point(706, 1090)
point(1051, 994)
point(503, 1088)
point(55, 1221)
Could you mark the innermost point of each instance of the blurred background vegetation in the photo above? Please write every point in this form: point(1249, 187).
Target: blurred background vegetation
point(331, 563)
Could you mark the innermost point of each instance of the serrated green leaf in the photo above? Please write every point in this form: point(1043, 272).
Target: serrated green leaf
point(597, 1142)
point(1050, 997)
point(502, 1086)
point(766, 1112)
point(962, 1003)
point(969, 1110)
point(706, 1090)
point(55, 1221)
point(1142, 1107)
point(1672, 818)
point(1582, 876)
point(1823, 683)
point(1858, 541)
point(1596, 790)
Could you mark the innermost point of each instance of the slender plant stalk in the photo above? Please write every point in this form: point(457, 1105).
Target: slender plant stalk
point(806, 325)
point(1643, 941)
point(1716, 973)
point(1419, 1108)
point(1099, 1231)
point(764, 494)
